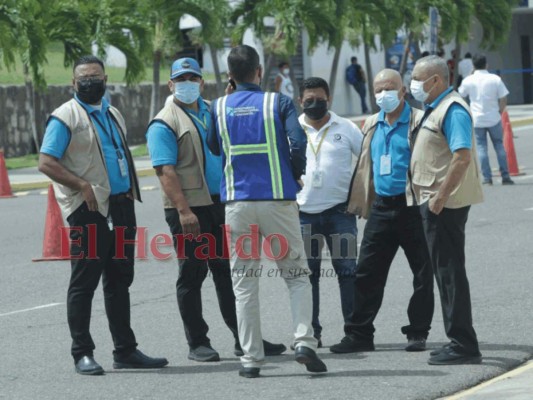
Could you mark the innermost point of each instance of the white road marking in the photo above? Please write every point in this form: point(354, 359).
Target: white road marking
point(44, 192)
point(22, 193)
point(148, 188)
point(31, 309)
point(529, 209)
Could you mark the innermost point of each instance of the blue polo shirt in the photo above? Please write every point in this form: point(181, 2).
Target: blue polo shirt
point(391, 140)
point(163, 146)
point(57, 138)
point(457, 124)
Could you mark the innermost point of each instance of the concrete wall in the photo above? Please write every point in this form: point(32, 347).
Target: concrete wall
point(15, 130)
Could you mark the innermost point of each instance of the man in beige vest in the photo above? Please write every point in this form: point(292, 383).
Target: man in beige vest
point(85, 153)
point(190, 178)
point(378, 194)
point(444, 180)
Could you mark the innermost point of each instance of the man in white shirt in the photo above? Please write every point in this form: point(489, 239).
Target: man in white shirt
point(334, 144)
point(488, 99)
point(465, 68)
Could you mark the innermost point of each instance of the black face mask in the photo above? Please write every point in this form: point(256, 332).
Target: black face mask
point(315, 108)
point(91, 90)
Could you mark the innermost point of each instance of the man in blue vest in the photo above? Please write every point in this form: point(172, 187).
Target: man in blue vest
point(190, 181)
point(263, 156)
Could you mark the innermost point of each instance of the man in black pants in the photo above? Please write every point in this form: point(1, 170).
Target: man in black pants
point(85, 153)
point(379, 195)
point(190, 178)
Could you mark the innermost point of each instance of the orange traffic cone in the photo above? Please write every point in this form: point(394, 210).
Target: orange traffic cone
point(5, 186)
point(55, 236)
point(508, 144)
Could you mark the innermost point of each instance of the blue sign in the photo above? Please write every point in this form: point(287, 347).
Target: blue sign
point(433, 29)
point(394, 54)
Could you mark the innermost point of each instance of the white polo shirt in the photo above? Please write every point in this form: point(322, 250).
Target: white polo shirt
point(336, 159)
point(484, 90)
point(466, 67)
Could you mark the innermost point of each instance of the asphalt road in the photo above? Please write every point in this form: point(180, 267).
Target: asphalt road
point(35, 360)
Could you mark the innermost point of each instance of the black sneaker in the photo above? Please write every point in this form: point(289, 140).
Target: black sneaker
point(249, 372)
point(450, 356)
point(507, 181)
point(349, 344)
point(203, 353)
point(487, 182)
point(137, 359)
point(439, 350)
point(271, 349)
point(416, 343)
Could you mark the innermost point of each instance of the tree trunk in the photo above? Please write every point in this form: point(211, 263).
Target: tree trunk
point(405, 56)
point(154, 101)
point(334, 68)
point(265, 84)
point(30, 106)
point(369, 74)
point(456, 63)
point(218, 78)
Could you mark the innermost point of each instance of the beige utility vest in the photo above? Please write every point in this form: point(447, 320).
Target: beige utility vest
point(190, 165)
point(432, 157)
point(363, 192)
point(84, 158)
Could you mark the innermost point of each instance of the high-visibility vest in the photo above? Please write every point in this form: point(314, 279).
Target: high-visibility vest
point(255, 148)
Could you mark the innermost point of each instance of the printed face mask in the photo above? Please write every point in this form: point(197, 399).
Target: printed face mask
point(315, 109)
point(417, 90)
point(388, 100)
point(187, 92)
point(90, 90)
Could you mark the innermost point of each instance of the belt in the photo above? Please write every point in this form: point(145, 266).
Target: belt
point(391, 201)
point(215, 198)
point(119, 198)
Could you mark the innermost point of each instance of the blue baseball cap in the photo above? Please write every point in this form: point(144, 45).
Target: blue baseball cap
point(185, 66)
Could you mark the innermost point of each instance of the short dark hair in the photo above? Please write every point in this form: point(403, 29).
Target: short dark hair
point(479, 61)
point(88, 59)
point(282, 64)
point(468, 55)
point(243, 61)
point(314, 83)
point(353, 59)
point(424, 54)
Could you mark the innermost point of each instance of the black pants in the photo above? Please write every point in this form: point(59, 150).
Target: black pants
point(391, 225)
point(117, 276)
point(445, 235)
point(193, 271)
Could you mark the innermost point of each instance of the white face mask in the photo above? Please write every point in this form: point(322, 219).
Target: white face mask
point(286, 71)
point(417, 90)
point(388, 100)
point(187, 91)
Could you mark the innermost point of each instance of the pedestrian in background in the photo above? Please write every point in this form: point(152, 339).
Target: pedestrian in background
point(333, 146)
point(283, 82)
point(86, 155)
point(355, 75)
point(378, 195)
point(263, 156)
point(488, 99)
point(444, 180)
point(190, 178)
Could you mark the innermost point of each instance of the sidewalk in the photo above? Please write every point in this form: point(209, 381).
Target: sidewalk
point(30, 178)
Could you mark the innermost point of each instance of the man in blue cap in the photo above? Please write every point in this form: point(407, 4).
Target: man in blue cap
point(190, 178)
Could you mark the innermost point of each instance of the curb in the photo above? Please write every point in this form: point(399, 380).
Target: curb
point(24, 186)
point(521, 122)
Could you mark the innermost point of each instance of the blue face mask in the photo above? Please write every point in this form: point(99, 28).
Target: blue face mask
point(388, 100)
point(187, 91)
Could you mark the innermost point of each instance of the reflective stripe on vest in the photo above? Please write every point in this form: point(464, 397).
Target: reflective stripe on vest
point(270, 147)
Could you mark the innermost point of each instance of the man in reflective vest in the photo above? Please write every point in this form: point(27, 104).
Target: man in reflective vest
point(263, 156)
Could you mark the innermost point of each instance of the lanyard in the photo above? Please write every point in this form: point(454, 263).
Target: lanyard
point(388, 138)
point(317, 150)
point(110, 134)
point(203, 123)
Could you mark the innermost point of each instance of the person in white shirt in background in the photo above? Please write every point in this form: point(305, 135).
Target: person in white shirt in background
point(283, 82)
point(466, 67)
point(334, 144)
point(488, 99)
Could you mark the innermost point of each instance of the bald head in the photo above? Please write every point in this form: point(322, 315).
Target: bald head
point(389, 75)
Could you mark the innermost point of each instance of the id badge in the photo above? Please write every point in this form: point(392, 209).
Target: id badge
point(385, 165)
point(316, 181)
point(123, 168)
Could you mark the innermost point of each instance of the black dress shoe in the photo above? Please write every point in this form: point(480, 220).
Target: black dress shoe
point(307, 356)
point(138, 360)
point(249, 372)
point(349, 344)
point(87, 366)
point(416, 343)
point(271, 349)
point(451, 356)
point(439, 350)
